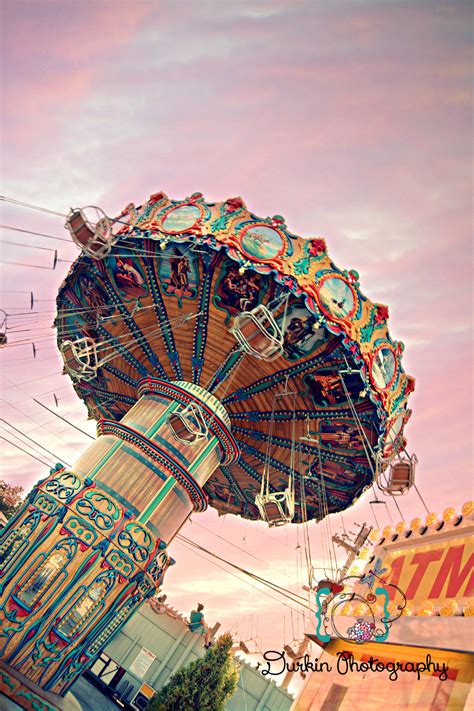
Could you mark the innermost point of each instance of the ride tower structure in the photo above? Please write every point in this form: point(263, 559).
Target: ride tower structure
point(228, 363)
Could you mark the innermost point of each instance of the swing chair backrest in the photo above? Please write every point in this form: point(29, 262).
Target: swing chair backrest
point(258, 333)
point(401, 476)
point(80, 358)
point(273, 513)
point(277, 508)
point(3, 328)
point(95, 240)
point(189, 425)
point(398, 477)
point(79, 228)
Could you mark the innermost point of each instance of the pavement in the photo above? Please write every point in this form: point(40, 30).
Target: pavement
point(89, 697)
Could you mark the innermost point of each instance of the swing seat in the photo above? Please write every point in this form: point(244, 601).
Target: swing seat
point(258, 333)
point(80, 358)
point(93, 238)
point(276, 509)
point(3, 328)
point(398, 477)
point(188, 426)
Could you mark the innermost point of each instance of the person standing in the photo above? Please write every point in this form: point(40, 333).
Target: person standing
point(197, 625)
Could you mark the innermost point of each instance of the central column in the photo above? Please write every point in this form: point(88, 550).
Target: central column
point(89, 545)
point(157, 458)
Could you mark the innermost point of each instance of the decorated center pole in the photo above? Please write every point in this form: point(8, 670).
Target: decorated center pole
point(89, 545)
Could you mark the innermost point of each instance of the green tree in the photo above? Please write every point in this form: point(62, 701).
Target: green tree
point(10, 498)
point(204, 685)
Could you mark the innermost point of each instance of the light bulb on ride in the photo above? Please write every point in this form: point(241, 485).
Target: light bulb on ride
point(468, 609)
point(450, 515)
point(426, 609)
point(374, 535)
point(401, 528)
point(415, 524)
point(432, 520)
point(449, 608)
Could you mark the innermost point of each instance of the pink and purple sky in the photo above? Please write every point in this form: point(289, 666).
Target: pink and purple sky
point(351, 118)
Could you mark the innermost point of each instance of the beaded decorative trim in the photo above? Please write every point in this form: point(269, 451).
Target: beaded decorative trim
point(128, 434)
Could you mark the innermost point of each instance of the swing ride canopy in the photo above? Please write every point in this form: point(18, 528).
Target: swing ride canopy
point(160, 301)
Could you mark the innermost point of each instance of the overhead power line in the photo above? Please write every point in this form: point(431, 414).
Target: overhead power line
point(242, 580)
point(34, 441)
point(33, 266)
point(64, 419)
point(24, 450)
point(37, 234)
point(294, 597)
point(30, 246)
point(227, 541)
point(20, 203)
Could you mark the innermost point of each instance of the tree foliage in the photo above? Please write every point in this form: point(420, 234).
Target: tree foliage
point(204, 685)
point(10, 498)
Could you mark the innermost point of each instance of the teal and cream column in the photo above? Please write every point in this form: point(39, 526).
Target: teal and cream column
point(148, 467)
point(90, 544)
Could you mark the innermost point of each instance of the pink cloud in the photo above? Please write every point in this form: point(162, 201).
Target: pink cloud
point(53, 58)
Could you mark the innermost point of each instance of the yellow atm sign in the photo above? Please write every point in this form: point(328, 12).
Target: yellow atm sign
point(433, 570)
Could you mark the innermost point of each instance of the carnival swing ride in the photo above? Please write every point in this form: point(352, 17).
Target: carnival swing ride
point(228, 363)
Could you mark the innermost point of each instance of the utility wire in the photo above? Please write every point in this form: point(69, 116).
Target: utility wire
point(242, 580)
point(32, 447)
point(227, 541)
point(23, 264)
point(30, 246)
point(276, 588)
point(34, 441)
point(38, 425)
point(24, 450)
point(34, 380)
point(64, 419)
point(20, 203)
point(38, 234)
point(69, 387)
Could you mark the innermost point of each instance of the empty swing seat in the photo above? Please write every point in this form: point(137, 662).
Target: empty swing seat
point(398, 477)
point(94, 238)
point(258, 333)
point(277, 508)
point(80, 358)
point(188, 426)
point(3, 328)
point(401, 477)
